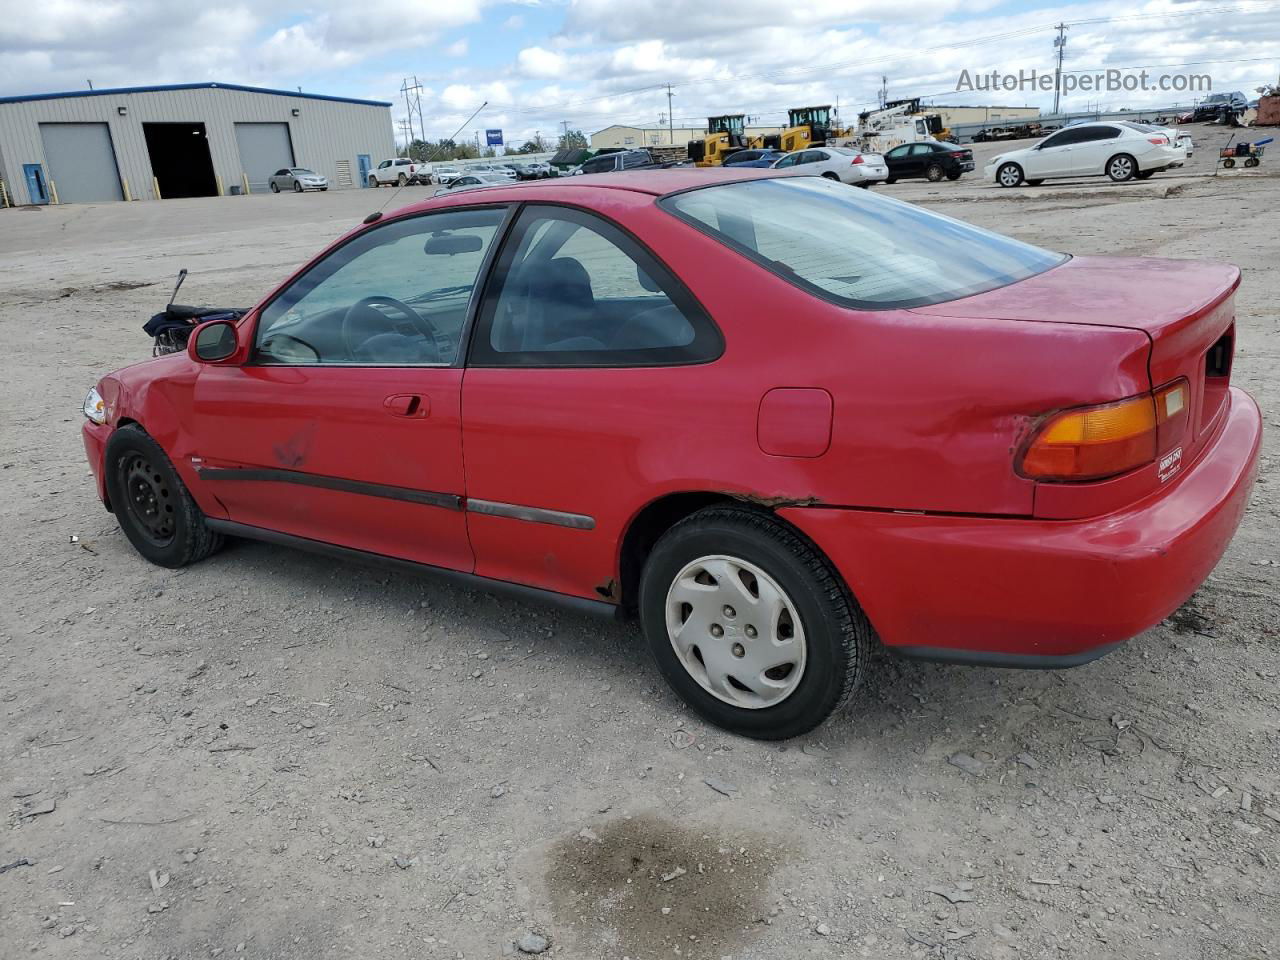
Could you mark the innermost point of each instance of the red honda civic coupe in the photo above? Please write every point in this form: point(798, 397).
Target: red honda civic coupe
point(776, 418)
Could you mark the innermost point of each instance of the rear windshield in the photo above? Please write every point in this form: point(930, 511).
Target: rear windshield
point(855, 248)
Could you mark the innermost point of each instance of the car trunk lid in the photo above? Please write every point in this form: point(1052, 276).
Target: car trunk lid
point(1186, 309)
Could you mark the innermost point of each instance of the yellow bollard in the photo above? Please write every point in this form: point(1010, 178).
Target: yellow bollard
point(155, 185)
point(124, 182)
point(53, 191)
point(218, 180)
point(244, 179)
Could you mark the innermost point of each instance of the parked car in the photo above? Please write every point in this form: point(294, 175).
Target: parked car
point(470, 181)
point(493, 169)
point(765, 514)
point(1116, 150)
point(540, 169)
point(297, 179)
point(1177, 137)
point(1219, 106)
point(397, 170)
point(753, 158)
point(930, 159)
point(622, 160)
point(445, 173)
point(837, 163)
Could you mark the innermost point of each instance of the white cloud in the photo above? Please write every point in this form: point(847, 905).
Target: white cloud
point(458, 48)
point(537, 62)
point(513, 22)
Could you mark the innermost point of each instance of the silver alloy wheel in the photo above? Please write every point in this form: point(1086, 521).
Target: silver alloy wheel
point(736, 632)
point(1121, 168)
point(1009, 175)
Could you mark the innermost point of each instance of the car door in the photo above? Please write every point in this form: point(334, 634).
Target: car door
point(383, 171)
point(897, 161)
point(919, 156)
point(1095, 146)
point(788, 161)
point(1052, 158)
point(580, 328)
point(344, 426)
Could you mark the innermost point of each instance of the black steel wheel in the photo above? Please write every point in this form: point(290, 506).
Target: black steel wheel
point(153, 506)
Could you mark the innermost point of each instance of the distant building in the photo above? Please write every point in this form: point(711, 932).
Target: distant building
point(184, 140)
point(953, 116)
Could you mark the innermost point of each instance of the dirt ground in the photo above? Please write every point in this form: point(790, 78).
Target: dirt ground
point(319, 760)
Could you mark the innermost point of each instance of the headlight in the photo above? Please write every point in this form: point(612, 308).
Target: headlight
point(95, 408)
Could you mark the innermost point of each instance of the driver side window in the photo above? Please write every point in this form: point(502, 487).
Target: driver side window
point(395, 295)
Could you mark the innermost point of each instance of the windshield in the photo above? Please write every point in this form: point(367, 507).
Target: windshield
point(304, 172)
point(854, 247)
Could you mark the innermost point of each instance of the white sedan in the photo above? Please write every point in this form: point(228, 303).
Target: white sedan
point(837, 163)
point(1120, 151)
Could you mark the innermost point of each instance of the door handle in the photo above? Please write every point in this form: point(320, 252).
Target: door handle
point(411, 405)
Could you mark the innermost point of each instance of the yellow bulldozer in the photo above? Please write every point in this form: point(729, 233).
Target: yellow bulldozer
point(725, 135)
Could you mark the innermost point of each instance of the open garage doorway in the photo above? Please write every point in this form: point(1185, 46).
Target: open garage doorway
point(180, 159)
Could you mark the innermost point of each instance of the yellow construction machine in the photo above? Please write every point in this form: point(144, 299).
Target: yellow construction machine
point(725, 135)
point(806, 127)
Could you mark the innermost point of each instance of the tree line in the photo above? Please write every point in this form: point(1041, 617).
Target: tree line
point(425, 151)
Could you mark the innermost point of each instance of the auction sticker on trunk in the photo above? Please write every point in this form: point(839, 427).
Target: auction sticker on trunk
point(1170, 463)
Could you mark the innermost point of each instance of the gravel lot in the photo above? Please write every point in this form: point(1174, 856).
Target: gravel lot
point(320, 760)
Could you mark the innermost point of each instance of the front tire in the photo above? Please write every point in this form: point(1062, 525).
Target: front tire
point(151, 503)
point(373, 181)
point(1009, 175)
point(750, 624)
point(297, 187)
point(1121, 167)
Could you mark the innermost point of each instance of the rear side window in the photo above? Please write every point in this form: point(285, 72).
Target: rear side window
point(856, 248)
point(1089, 134)
point(572, 290)
point(634, 160)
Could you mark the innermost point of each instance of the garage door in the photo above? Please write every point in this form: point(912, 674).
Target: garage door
point(264, 149)
point(82, 164)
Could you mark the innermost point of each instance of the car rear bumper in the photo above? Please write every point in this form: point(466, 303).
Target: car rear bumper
point(1042, 593)
point(95, 437)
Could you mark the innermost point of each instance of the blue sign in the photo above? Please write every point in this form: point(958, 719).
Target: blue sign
point(493, 138)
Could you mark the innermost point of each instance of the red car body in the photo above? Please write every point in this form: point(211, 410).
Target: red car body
point(888, 437)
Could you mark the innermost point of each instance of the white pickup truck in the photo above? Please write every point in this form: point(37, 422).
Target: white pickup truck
point(399, 170)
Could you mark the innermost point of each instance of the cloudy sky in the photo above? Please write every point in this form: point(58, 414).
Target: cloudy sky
point(596, 62)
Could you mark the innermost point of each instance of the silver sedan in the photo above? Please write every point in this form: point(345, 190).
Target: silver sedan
point(297, 179)
point(472, 181)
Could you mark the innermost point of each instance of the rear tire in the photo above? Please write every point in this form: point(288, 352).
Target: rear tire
point(151, 503)
point(934, 173)
point(1009, 175)
point(830, 176)
point(275, 187)
point(402, 180)
point(1121, 168)
point(953, 176)
point(765, 595)
point(1034, 183)
point(1144, 174)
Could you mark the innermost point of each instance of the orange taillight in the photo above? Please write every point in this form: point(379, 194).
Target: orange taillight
point(1095, 442)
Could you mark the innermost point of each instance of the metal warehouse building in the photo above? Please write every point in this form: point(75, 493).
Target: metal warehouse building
point(185, 140)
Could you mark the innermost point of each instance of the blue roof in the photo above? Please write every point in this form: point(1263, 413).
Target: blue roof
point(116, 91)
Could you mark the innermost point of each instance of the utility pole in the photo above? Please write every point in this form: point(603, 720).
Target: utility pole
point(1060, 41)
point(884, 90)
point(671, 124)
point(412, 91)
point(564, 126)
